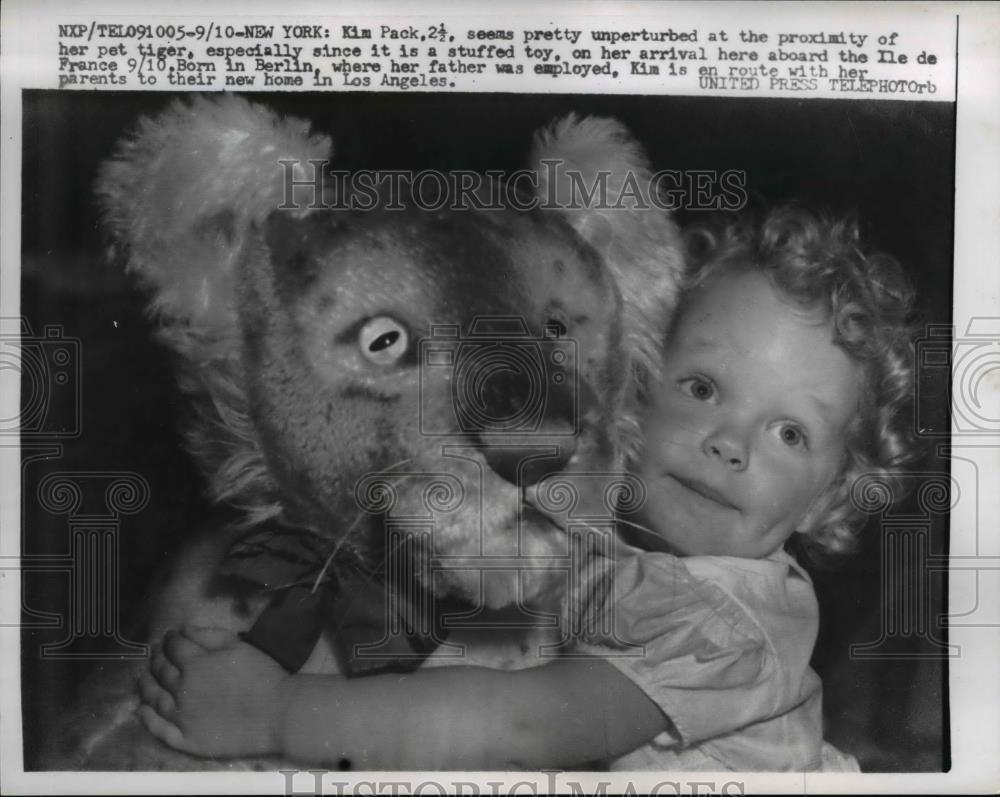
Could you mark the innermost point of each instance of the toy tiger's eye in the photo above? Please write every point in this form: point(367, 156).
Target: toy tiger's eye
point(383, 340)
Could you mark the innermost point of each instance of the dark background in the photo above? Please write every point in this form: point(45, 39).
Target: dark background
point(890, 162)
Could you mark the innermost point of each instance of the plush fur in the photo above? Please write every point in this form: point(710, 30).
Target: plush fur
point(303, 421)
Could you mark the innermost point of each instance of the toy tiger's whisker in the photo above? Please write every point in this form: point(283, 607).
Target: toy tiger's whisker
point(354, 524)
point(644, 530)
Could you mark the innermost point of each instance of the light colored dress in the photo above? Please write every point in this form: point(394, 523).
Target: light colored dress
point(722, 646)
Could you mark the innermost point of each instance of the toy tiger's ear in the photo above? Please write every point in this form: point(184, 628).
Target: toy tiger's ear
point(637, 238)
point(180, 198)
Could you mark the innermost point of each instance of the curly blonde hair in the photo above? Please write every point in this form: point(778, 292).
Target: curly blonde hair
point(819, 260)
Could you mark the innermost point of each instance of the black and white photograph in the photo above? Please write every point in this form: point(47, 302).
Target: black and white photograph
point(452, 431)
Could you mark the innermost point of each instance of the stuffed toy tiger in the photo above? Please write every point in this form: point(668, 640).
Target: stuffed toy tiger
point(394, 401)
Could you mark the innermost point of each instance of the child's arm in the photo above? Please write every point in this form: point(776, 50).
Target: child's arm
point(219, 696)
point(561, 714)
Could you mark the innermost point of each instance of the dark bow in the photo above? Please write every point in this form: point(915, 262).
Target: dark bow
point(375, 625)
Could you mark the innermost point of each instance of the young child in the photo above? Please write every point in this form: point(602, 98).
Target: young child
point(786, 376)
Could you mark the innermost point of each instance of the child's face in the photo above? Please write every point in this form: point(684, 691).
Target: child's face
point(747, 427)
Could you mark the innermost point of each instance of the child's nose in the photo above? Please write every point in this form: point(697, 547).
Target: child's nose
point(728, 447)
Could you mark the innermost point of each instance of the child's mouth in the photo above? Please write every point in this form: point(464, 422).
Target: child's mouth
point(704, 491)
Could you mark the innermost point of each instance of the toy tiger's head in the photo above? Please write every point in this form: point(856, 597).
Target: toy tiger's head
point(390, 377)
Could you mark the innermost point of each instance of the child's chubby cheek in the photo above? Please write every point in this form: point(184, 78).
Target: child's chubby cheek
point(697, 505)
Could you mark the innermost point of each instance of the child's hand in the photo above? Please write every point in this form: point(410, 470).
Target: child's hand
point(210, 694)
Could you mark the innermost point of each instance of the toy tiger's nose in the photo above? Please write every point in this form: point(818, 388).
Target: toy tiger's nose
point(528, 427)
point(527, 463)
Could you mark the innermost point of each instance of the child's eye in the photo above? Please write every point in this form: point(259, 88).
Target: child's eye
point(698, 387)
point(791, 435)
